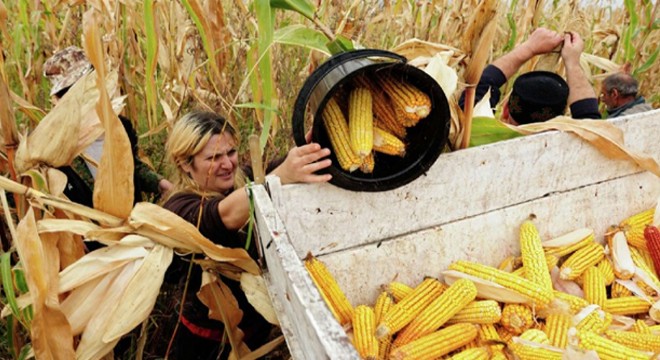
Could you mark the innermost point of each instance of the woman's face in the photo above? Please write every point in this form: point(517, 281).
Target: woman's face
point(214, 167)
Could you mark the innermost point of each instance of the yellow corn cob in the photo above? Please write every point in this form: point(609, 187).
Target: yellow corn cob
point(364, 337)
point(517, 318)
point(556, 327)
point(331, 292)
point(384, 113)
point(655, 329)
point(646, 255)
point(540, 296)
point(634, 226)
point(510, 264)
point(337, 129)
point(436, 344)
point(569, 249)
point(617, 290)
point(550, 261)
point(403, 312)
point(398, 290)
point(479, 312)
point(384, 303)
point(641, 327)
point(628, 305)
point(368, 163)
point(415, 104)
point(608, 349)
point(605, 267)
point(506, 335)
point(639, 341)
point(533, 257)
point(593, 284)
point(574, 303)
point(452, 300)
point(527, 351)
point(386, 143)
point(361, 121)
point(596, 321)
point(487, 334)
point(477, 353)
point(580, 260)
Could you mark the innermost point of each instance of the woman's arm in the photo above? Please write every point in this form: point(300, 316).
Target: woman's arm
point(299, 166)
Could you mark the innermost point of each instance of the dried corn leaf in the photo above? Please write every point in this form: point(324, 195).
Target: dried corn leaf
point(147, 216)
point(113, 186)
point(7, 122)
point(140, 295)
point(70, 246)
point(50, 331)
point(223, 306)
point(91, 344)
point(607, 138)
point(79, 227)
point(414, 48)
point(56, 181)
point(83, 301)
point(256, 291)
point(98, 263)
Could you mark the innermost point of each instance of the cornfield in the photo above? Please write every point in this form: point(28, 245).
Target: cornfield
point(244, 59)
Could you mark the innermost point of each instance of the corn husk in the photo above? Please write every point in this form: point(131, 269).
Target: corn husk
point(443, 74)
point(254, 287)
point(139, 296)
point(50, 331)
point(164, 226)
point(569, 238)
point(622, 260)
point(486, 289)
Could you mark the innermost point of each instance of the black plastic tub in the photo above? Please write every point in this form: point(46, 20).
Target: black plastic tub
point(424, 142)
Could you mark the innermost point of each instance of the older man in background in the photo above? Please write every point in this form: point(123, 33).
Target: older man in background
point(619, 94)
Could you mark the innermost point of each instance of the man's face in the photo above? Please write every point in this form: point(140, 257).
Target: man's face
point(608, 98)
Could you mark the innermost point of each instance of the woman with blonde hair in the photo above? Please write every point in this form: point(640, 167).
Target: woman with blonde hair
point(209, 192)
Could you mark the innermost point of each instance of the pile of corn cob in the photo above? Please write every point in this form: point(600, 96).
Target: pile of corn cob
point(379, 108)
point(564, 298)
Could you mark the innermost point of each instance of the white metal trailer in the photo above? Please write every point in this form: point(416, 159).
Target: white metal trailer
point(469, 205)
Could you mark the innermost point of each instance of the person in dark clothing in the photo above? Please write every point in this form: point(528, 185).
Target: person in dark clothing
point(619, 94)
point(209, 191)
point(538, 95)
point(64, 69)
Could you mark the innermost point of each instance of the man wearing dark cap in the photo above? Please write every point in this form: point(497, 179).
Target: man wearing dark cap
point(619, 94)
point(540, 95)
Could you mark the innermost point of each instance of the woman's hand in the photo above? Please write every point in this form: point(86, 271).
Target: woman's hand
point(302, 162)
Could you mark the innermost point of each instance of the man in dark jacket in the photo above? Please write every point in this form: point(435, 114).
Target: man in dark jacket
point(619, 94)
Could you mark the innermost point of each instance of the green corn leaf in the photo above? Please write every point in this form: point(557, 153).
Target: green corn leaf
point(152, 58)
point(38, 180)
point(340, 44)
point(300, 35)
point(265, 23)
point(25, 352)
point(649, 62)
point(8, 283)
point(20, 280)
point(253, 105)
point(489, 130)
point(9, 340)
point(302, 7)
point(630, 32)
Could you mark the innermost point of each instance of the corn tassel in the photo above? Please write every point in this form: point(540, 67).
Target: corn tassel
point(581, 260)
point(364, 338)
point(538, 295)
point(415, 104)
point(337, 129)
point(634, 226)
point(436, 344)
point(387, 143)
point(403, 312)
point(455, 298)
point(361, 121)
point(332, 294)
point(479, 312)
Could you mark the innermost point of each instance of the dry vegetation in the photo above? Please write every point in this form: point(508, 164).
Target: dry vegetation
point(171, 56)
